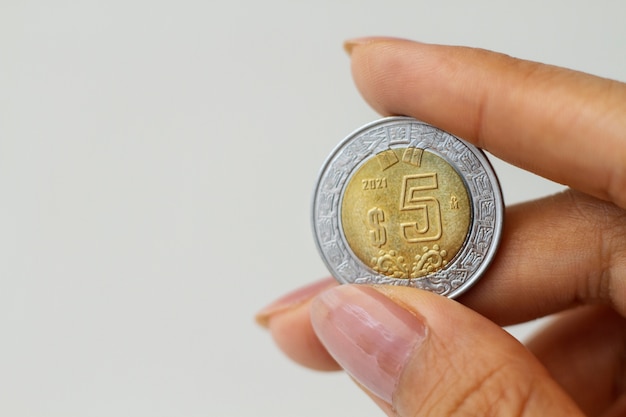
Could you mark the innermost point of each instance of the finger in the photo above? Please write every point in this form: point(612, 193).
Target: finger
point(561, 124)
point(288, 321)
point(428, 355)
point(556, 253)
point(584, 351)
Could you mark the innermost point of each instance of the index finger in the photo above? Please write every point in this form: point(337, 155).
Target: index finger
point(561, 124)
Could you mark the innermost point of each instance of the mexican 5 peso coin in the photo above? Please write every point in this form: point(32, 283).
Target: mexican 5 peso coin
point(401, 202)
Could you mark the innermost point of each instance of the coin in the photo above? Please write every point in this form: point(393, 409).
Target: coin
point(401, 202)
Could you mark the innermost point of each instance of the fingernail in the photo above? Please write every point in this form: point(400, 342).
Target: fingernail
point(292, 300)
point(368, 334)
point(350, 44)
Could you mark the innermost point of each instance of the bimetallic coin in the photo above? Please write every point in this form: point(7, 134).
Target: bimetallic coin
point(401, 202)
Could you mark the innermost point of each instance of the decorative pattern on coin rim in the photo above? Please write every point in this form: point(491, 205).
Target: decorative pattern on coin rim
point(470, 162)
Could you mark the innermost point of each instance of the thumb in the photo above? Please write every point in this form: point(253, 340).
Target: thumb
point(423, 354)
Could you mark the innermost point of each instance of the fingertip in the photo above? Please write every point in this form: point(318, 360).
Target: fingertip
point(293, 334)
point(379, 65)
point(288, 321)
point(292, 300)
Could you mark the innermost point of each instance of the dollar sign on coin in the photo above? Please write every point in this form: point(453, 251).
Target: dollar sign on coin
point(378, 232)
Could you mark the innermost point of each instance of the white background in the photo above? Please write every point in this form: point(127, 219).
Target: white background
point(156, 167)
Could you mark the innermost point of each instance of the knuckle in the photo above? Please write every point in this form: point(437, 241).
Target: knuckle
point(604, 225)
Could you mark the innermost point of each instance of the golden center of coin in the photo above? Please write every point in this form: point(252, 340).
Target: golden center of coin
point(406, 213)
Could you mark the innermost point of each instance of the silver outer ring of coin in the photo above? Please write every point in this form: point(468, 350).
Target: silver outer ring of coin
point(471, 164)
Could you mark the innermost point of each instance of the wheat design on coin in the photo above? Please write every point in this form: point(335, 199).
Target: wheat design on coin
point(401, 202)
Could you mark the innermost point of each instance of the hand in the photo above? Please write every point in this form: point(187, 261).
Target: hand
point(416, 353)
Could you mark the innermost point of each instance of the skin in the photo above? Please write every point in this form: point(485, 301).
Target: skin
point(564, 254)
